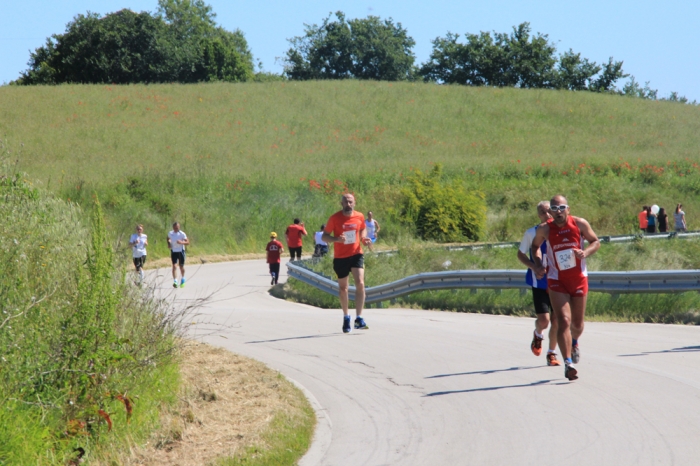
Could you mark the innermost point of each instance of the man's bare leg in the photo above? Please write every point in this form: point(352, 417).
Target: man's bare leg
point(359, 276)
point(343, 294)
point(578, 312)
point(562, 310)
point(553, 329)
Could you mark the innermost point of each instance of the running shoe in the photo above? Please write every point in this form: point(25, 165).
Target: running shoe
point(347, 328)
point(536, 345)
point(174, 283)
point(552, 359)
point(575, 354)
point(182, 283)
point(272, 282)
point(570, 372)
point(360, 323)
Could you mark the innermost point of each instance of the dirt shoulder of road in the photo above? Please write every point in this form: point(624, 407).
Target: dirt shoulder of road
point(227, 405)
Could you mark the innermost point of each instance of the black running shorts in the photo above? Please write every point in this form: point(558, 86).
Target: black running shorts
point(275, 268)
point(540, 298)
point(178, 257)
point(344, 266)
point(139, 261)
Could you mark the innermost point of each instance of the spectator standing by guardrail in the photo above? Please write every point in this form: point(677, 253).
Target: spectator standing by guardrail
point(293, 236)
point(346, 229)
point(643, 221)
point(651, 219)
point(567, 276)
point(679, 219)
point(662, 218)
point(540, 296)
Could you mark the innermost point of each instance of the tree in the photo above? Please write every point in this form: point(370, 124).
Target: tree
point(180, 43)
point(518, 59)
point(122, 47)
point(366, 48)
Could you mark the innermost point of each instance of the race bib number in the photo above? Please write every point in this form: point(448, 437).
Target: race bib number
point(350, 237)
point(566, 259)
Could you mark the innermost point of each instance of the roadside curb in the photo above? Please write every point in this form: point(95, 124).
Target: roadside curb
point(323, 432)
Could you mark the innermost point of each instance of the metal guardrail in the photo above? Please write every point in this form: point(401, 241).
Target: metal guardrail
point(646, 281)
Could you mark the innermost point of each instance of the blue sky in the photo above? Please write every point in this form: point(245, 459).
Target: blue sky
point(654, 39)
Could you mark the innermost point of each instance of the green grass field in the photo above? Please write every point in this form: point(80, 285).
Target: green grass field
point(232, 162)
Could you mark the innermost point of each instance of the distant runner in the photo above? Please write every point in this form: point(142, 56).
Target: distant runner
point(540, 297)
point(274, 250)
point(321, 247)
point(293, 236)
point(372, 227)
point(177, 240)
point(346, 229)
point(138, 243)
point(567, 276)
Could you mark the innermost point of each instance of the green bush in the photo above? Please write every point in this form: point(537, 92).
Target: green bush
point(85, 358)
point(442, 211)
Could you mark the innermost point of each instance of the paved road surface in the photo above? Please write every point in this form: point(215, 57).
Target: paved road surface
point(439, 388)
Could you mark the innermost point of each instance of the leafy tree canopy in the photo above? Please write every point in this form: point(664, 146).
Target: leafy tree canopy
point(369, 48)
point(180, 43)
point(518, 59)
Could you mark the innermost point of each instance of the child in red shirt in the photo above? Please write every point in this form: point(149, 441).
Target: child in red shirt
point(274, 250)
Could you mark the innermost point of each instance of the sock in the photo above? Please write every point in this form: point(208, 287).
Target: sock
point(574, 342)
point(568, 361)
point(538, 335)
point(346, 317)
point(183, 280)
point(551, 351)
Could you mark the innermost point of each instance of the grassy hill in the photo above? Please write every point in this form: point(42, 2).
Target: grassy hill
point(235, 161)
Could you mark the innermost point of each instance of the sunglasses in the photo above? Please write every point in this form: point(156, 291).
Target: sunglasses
point(558, 208)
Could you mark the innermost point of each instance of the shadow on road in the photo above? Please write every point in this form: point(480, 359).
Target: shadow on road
point(305, 337)
point(489, 389)
point(493, 371)
point(685, 349)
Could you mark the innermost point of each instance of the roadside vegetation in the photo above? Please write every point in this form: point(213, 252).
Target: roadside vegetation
point(89, 363)
point(233, 162)
point(675, 254)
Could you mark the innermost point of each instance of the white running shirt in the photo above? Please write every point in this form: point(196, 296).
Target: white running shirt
point(140, 247)
point(174, 237)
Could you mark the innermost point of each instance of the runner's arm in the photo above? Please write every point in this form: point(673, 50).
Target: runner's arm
point(590, 236)
point(376, 228)
point(170, 245)
point(540, 237)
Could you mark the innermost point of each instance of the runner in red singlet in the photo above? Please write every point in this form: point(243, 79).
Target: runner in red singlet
point(567, 276)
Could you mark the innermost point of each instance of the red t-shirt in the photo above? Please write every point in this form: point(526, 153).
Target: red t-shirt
point(563, 263)
point(294, 233)
point(273, 251)
point(643, 219)
point(350, 225)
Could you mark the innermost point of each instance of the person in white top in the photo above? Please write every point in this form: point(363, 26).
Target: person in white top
point(372, 227)
point(679, 219)
point(177, 240)
point(321, 248)
point(138, 243)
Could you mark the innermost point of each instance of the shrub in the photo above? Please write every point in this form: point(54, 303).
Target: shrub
point(78, 345)
point(442, 211)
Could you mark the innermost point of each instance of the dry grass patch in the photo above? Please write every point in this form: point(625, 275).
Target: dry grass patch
point(227, 404)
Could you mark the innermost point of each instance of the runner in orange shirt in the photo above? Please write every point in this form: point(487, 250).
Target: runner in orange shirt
point(274, 248)
point(293, 236)
point(346, 229)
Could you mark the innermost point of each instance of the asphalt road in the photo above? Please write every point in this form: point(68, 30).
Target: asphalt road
point(441, 388)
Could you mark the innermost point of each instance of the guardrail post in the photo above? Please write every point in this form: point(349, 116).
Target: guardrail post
point(474, 290)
